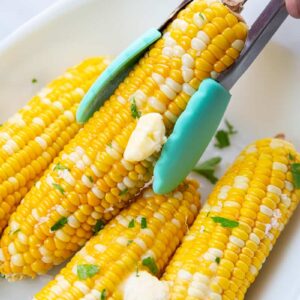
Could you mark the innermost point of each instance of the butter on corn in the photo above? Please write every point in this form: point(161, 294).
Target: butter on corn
point(238, 226)
point(140, 240)
point(34, 136)
point(98, 181)
point(147, 138)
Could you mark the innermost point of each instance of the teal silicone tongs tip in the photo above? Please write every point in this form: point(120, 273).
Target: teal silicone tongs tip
point(192, 133)
point(114, 74)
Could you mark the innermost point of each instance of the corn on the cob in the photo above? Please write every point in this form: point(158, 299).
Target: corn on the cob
point(97, 181)
point(33, 137)
point(150, 230)
point(220, 258)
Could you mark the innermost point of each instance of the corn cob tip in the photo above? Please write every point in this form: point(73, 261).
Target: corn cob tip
point(235, 5)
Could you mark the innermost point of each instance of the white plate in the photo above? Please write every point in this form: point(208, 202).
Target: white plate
point(265, 101)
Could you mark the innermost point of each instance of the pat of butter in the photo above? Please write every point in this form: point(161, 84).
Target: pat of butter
point(147, 138)
point(146, 287)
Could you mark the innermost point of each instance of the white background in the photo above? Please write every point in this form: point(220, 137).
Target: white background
point(13, 13)
point(265, 101)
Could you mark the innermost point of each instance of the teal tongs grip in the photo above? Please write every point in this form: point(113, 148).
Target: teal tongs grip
point(114, 74)
point(192, 133)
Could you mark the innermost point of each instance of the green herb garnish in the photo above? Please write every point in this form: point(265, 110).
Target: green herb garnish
point(134, 110)
point(230, 129)
point(87, 271)
point(59, 167)
point(292, 157)
point(2, 276)
point(295, 169)
point(217, 260)
point(143, 223)
point(33, 80)
point(59, 224)
point(98, 226)
point(90, 178)
point(226, 223)
point(124, 192)
point(59, 188)
point(109, 145)
point(103, 295)
point(131, 224)
point(202, 16)
point(207, 169)
point(137, 270)
point(222, 138)
point(150, 264)
point(16, 231)
point(129, 242)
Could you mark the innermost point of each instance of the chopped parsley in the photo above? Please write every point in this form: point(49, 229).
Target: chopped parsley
point(33, 80)
point(90, 178)
point(2, 276)
point(295, 168)
point(292, 157)
point(98, 226)
point(134, 109)
point(59, 224)
point(217, 260)
point(230, 129)
point(87, 271)
point(16, 231)
point(150, 264)
point(137, 274)
point(124, 192)
point(226, 223)
point(109, 145)
point(144, 223)
point(59, 188)
point(131, 224)
point(223, 136)
point(202, 16)
point(207, 169)
point(59, 167)
point(103, 295)
point(129, 242)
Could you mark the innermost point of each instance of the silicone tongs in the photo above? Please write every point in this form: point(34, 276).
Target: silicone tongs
point(197, 125)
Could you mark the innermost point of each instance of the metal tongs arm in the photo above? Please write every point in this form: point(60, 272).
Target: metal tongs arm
point(259, 35)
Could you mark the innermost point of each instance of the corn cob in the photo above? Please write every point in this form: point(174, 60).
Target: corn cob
point(97, 181)
point(151, 228)
point(220, 258)
point(33, 137)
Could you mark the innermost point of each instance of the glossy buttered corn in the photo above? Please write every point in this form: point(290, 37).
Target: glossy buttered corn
point(238, 226)
point(91, 180)
point(141, 238)
point(32, 138)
